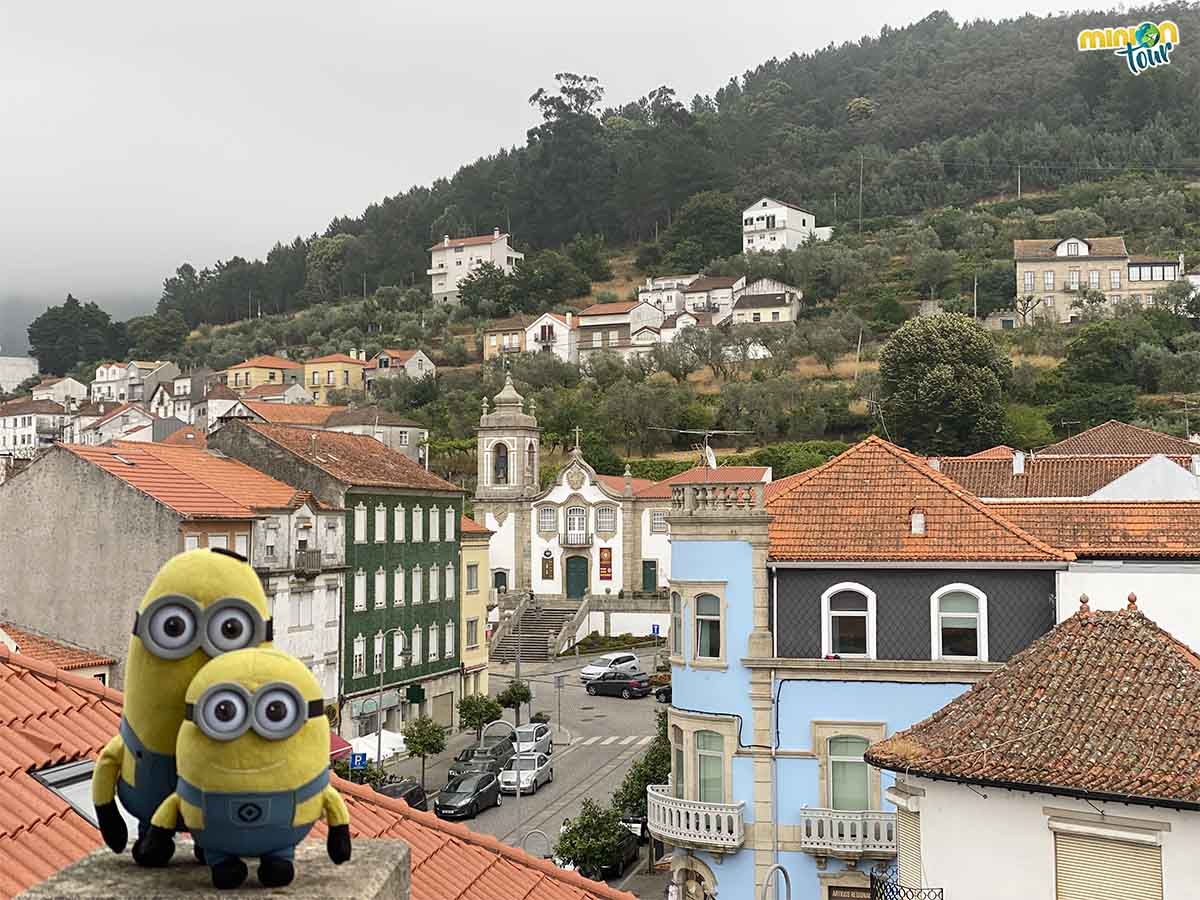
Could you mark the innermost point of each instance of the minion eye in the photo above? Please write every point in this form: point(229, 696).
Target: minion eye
point(230, 628)
point(172, 626)
point(277, 713)
point(223, 716)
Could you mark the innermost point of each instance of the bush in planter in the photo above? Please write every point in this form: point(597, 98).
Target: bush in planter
point(540, 717)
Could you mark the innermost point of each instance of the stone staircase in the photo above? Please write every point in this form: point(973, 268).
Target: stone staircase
point(535, 632)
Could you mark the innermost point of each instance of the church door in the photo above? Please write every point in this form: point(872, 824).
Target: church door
point(577, 576)
point(500, 581)
point(650, 575)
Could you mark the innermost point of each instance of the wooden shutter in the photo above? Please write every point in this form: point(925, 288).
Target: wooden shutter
point(908, 848)
point(1095, 868)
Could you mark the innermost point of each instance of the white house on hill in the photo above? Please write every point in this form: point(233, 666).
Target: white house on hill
point(771, 225)
point(455, 258)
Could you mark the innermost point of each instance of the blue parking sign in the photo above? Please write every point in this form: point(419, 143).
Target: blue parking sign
point(358, 761)
point(654, 630)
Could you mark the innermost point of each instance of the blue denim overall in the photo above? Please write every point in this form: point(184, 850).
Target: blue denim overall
point(154, 779)
point(250, 824)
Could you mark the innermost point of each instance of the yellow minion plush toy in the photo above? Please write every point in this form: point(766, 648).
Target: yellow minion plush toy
point(202, 603)
point(253, 757)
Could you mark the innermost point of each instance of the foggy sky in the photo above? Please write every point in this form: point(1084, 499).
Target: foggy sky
point(135, 135)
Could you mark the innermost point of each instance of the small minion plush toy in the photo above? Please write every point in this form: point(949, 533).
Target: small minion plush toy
point(253, 769)
point(201, 604)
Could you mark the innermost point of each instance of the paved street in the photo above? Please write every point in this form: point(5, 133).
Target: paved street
point(595, 743)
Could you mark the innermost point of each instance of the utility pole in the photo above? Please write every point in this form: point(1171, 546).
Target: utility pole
point(835, 208)
point(858, 355)
point(1018, 181)
point(975, 297)
point(860, 189)
point(364, 285)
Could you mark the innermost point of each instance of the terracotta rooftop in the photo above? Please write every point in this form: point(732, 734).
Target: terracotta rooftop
point(1044, 476)
point(267, 362)
point(220, 391)
point(616, 483)
point(271, 389)
point(353, 459)
point(336, 358)
point(610, 309)
point(117, 411)
point(703, 475)
point(1109, 247)
point(859, 505)
point(188, 436)
point(467, 525)
point(1112, 530)
point(761, 301)
point(1115, 438)
point(49, 717)
point(703, 319)
point(52, 652)
point(476, 241)
point(366, 415)
point(512, 323)
point(1103, 706)
point(400, 356)
point(1000, 451)
point(24, 406)
point(291, 413)
point(193, 482)
point(711, 283)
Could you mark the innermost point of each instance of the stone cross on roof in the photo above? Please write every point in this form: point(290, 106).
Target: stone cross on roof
point(577, 430)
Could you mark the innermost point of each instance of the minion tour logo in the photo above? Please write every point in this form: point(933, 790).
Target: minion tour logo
point(1143, 47)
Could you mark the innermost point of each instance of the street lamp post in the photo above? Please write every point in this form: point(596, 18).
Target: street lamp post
point(517, 762)
point(405, 656)
point(771, 873)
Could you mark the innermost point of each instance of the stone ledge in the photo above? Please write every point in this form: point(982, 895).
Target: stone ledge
point(378, 870)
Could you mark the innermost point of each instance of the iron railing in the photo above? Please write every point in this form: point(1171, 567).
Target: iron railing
point(308, 560)
point(885, 885)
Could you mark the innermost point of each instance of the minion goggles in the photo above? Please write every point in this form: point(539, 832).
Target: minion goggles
point(173, 626)
point(276, 711)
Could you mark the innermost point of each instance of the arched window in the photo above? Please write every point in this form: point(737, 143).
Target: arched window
point(576, 525)
point(529, 466)
point(958, 622)
point(676, 625)
point(848, 621)
point(710, 767)
point(848, 784)
point(500, 463)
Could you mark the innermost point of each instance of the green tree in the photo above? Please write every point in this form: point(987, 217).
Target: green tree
point(1179, 298)
point(933, 269)
point(591, 839)
point(943, 385)
point(708, 227)
point(587, 253)
point(1093, 405)
point(65, 336)
point(513, 696)
point(1027, 426)
point(1102, 352)
point(160, 336)
point(477, 710)
point(487, 289)
point(651, 768)
point(423, 737)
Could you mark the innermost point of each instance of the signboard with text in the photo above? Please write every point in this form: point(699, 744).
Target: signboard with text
point(606, 563)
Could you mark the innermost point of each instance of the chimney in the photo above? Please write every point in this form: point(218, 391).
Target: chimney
point(445, 240)
point(570, 320)
point(1018, 462)
point(1195, 464)
point(495, 234)
point(935, 463)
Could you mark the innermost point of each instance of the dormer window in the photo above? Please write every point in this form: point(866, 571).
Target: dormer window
point(917, 519)
point(1072, 248)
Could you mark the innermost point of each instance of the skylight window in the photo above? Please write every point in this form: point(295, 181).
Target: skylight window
point(73, 783)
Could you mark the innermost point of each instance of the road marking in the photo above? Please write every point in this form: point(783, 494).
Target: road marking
point(644, 741)
point(629, 740)
point(608, 740)
point(589, 741)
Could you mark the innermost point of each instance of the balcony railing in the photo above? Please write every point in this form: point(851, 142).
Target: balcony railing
point(575, 539)
point(690, 823)
point(886, 886)
point(308, 560)
point(848, 834)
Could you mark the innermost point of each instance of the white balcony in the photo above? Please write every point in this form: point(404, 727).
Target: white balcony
point(690, 823)
point(848, 834)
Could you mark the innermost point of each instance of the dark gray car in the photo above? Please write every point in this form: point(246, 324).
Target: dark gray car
point(487, 757)
point(465, 797)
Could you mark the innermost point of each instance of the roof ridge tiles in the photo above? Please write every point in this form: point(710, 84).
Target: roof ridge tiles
point(192, 476)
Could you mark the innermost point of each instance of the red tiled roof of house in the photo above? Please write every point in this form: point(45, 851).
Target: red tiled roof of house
point(859, 505)
point(400, 356)
point(267, 362)
point(1112, 529)
point(1000, 451)
point(467, 525)
point(711, 283)
point(1044, 476)
point(1115, 438)
point(191, 481)
point(118, 411)
point(336, 358)
point(661, 490)
point(220, 391)
point(610, 309)
point(49, 717)
point(271, 389)
point(512, 323)
point(476, 241)
point(291, 413)
point(353, 459)
point(52, 652)
point(1103, 705)
point(188, 436)
point(1108, 247)
point(616, 483)
point(26, 406)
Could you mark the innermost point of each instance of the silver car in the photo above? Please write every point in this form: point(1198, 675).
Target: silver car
point(535, 738)
point(610, 662)
point(535, 770)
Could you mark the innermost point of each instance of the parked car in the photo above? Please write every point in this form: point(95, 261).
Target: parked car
point(490, 756)
point(663, 694)
point(408, 790)
point(625, 853)
point(535, 738)
point(637, 826)
point(535, 770)
point(465, 797)
point(610, 662)
point(620, 684)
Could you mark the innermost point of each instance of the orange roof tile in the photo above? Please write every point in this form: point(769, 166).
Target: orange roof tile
point(55, 653)
point(336, 358)
point(353, 459)
point(49, 717)
point(267, 362)
point(858, 506)
point(616, 483)
point(609, 309)
point(186, 437)
point(1112, 529)
point(291, 413)
point(1000, 451)
point(661, 490)
point(1044, 476)
point(271, 389)
point(467, 525)
point(1107, 247)
point(476, 241)
point(1115, 438)
point(191, 481)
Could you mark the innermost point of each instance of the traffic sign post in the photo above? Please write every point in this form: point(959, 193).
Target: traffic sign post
point(358, 761)
point(559, 681)
point(654, 629)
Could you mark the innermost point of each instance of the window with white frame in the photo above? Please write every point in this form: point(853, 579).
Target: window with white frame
point(676, 625)
point(191, 542)
point(1029, 282)
point(606, 518)
point(417, 659)
point(241, 544)
point(849, 787)
point(434, 522)
point(1114, 279)
point(301, 609)
point(848, 621)
point(449, 535)
point(658, 521)
point(449, 582)
point(451, 645)
point(710, 767)
point(417, 594)
point(380, 588)
point(218, 542)
point(360, 523)
point(360, 590)
point(378, 661)
point(472, 577)
point(434, 593)
point(397, 650)
point(576, 524)
point(360, 656)
point(547, 518)
point(333, 602)
point(380, 523)
point(1048, 281)
point(472, 632)
point(708, 627)
point(418, 523)
point(398, 586)
point(433, 653)
point(1072, 248)
point(398, 525)
point(958, 615)
point(1094, 279)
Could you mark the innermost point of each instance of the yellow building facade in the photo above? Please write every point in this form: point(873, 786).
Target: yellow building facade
point(473, 607)
point(335, 372)
point(263, 370)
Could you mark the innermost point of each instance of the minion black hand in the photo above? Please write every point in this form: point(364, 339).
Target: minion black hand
point(338, 843)
point(112, 826)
